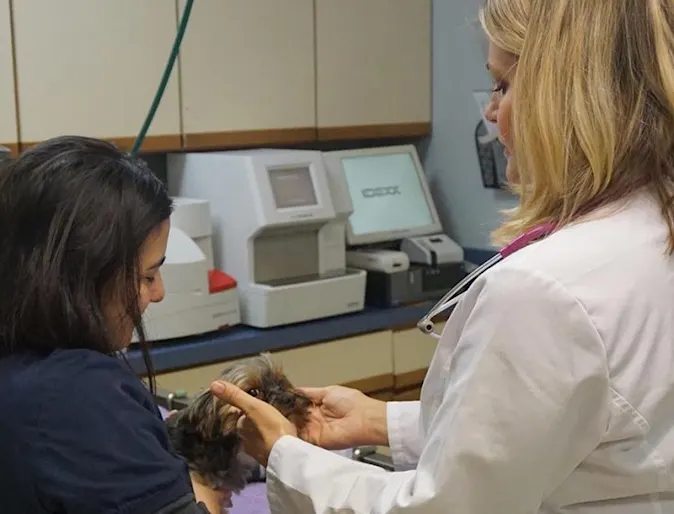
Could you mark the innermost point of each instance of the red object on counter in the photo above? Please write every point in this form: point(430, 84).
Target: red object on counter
point(219, 281)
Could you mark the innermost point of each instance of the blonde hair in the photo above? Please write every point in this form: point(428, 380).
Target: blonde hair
point(593, 105)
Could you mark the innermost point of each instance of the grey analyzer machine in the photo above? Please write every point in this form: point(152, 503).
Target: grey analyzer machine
point(394, 212)
point(279, 230)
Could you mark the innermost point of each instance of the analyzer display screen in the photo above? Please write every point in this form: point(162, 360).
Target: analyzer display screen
point(292, 187)
point(386, 193)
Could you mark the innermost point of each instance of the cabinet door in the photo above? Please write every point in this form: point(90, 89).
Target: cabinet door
point(364, 360)
point(92, 67)
point(248, 74)
point(373, 68)
point(412, 354)
point(8, 129)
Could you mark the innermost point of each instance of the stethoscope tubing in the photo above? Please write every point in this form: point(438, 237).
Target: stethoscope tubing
point(455, 294)
point(453, 297)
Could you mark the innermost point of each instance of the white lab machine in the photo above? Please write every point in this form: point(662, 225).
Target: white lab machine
point(393, 211)
point(198, 297)
point(432, 250)
point(278, 231)
point(388, 261)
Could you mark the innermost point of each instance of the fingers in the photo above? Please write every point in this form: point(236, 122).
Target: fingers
point(315, 394)
point(235, 396)
point(267, 420)
point(245, 430)
point(310, 434)
point(254, 443)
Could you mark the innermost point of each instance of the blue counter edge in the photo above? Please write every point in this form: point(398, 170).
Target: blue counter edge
point(242, 340)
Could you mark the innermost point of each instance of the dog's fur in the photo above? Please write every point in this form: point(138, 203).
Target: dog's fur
point(205, 432)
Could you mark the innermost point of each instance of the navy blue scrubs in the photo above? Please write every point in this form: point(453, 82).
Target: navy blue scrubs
point(80, 433)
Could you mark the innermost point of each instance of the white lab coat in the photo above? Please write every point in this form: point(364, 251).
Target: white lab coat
point(551, 391)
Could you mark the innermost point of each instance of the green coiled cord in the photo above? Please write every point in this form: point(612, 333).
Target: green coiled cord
point(182, 26)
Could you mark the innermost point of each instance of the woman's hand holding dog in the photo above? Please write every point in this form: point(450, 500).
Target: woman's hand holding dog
point(344, 418)
point(260, 426)
point(341, 418)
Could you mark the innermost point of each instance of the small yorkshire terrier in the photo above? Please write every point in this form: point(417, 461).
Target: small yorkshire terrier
point(205, 435)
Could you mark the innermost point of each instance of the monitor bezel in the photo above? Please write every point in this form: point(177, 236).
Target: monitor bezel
point(334, 158)
point(261, 162)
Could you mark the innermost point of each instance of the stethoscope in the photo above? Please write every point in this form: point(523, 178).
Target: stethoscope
point(453, 297)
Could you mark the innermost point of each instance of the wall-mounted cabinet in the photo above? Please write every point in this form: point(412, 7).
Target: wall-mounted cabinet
point(248, 74)
point(91, 67)
point(373, 63)
point(9, 135)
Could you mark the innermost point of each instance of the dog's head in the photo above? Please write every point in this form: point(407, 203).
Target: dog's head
point(204, 433)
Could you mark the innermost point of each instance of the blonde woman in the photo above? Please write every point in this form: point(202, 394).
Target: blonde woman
point(552, 388)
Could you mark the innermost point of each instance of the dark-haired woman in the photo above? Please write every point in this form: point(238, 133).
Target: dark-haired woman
point(84, 229)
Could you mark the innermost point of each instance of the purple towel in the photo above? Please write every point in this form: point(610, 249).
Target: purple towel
point(252, 500)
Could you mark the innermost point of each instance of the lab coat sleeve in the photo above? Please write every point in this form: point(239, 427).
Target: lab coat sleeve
point(404, 433)
point(524, 402)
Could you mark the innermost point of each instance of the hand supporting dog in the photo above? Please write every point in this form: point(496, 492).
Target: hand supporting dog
point(205, 433)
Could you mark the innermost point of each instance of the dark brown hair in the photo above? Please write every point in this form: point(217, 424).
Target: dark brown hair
point(74, 214)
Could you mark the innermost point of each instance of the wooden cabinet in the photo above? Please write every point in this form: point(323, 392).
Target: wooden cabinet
point(412, 354)
point(385, 364)
point(8, 126)
point(373, 68)
point(364, 362)
point(248, 74)
point(91, 67)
